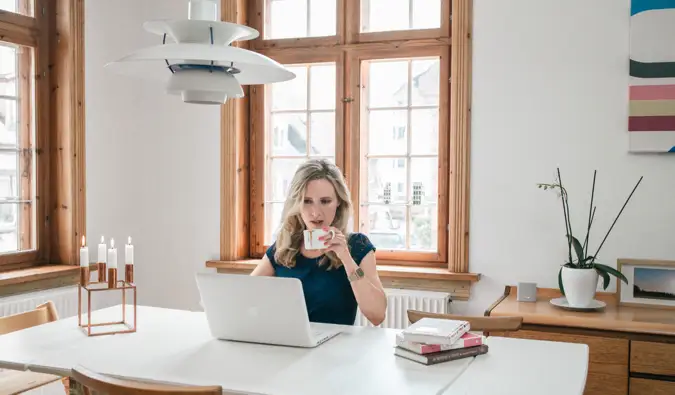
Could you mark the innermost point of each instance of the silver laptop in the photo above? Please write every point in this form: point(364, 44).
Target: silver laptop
point(259, 309)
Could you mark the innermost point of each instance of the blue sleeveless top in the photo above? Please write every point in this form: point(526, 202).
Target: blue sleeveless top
point(328, 294)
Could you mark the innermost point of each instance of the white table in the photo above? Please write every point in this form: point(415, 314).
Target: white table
point(175, 346)
point(525, 367)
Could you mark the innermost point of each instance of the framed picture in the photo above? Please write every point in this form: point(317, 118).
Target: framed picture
point(650, 283)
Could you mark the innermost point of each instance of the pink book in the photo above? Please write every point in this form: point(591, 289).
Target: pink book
point(467, 340)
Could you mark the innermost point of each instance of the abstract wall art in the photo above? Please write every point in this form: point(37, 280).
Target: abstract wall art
point(651, 121)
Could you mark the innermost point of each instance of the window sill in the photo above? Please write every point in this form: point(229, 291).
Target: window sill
point(396, 271)
point(37, 278)
point(392, 276)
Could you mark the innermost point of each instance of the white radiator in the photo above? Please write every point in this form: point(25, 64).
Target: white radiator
point(399, 301)
point(64, 298)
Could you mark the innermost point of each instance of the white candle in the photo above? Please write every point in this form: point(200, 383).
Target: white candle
point(129, 253)
point(84, 254)
point(112, 255)
point(101, 251)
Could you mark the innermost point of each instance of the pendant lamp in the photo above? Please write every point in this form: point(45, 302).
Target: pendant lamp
point(196, 60)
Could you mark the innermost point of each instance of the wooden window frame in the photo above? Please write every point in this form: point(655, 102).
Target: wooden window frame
point(259, 102)
point(246, 170)
point(56, 33)
point(356, 140)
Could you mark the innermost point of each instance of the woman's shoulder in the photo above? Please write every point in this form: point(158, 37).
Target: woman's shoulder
point(271, 250)
point(356, 238)
point(359, 245)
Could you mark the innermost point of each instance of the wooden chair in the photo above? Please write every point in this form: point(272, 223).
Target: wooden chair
point(88, 382)
point(14, 382)
point(484, 324)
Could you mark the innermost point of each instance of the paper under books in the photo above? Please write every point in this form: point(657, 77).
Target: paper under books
point(435, 331)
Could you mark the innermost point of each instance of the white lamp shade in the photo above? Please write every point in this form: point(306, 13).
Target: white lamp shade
point(148, 62)
point(191, 31)
point(204, 87)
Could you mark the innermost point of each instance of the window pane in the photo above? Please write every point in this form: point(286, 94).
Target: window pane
point(402, 149)
point(296, 131)
point(387, 84)
point(281, 173)
point(384, 15)
point(291, 94)
point(8, 175)
point(322, 18)
point(7, 70)
point(9, 119)
point(425, 84)
point(387, 132)
point(390, 15)
point(322, 87)
point(17, 162)
point(426, 14)
point(423, 180)
point(387, 226)
point(9, 227)
point(289, 134)
point(322, 133)
point(24, 7)
point(386, 180)
point(301, 18)
point(288, 18)
point(424, 131)
point(273, 216)
point(423, 228)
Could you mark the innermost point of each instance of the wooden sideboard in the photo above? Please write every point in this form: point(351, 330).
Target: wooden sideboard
point(631, 349)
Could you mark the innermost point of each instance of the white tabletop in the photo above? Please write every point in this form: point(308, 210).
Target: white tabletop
point(176, 346)
point(523, 368)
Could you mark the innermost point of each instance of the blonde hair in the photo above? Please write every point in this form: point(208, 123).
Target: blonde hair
point(290, 236)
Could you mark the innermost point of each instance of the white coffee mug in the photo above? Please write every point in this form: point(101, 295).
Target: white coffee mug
point(312, 241)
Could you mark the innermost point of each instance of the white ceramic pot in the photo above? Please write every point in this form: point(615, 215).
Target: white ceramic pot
point(580, 286)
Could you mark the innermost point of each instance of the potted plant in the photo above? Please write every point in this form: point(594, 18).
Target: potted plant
point(578, 277)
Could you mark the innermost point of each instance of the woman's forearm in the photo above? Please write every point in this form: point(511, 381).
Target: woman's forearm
point(371, 299)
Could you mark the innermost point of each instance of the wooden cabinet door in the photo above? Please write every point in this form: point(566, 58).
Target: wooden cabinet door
point(651, 387)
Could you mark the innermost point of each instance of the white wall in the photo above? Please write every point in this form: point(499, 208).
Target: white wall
point(152, 162)
point(550, 88)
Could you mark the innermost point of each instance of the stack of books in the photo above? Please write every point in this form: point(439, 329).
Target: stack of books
point(432, 340)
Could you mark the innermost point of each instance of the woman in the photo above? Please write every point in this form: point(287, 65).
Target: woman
point(339, 277)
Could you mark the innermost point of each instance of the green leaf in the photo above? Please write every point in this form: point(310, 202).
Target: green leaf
point(605, 278)
point(611, 271)
point(578, 249)
point(560, 284)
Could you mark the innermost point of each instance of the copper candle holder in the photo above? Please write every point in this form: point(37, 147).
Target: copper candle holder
point(112, 277)
point(129, 273)
point(98, 287)
point(101, 269)
point(84, 275)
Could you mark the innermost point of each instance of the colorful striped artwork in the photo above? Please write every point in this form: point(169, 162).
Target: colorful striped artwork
point(651, 122)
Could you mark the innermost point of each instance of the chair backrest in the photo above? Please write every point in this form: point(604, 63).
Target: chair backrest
point(42, 314)
point(100, 383)
point(485, 324)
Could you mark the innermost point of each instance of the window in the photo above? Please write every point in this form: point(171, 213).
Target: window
point(300, 18)
point(400, 179)
point(300, 124)
point(41, 100)
point(372, 93)
point(23, 7)
point(18, 106)
point(17, 163)
point(400, 15)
